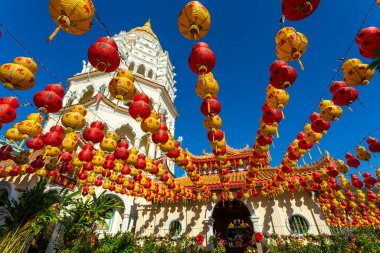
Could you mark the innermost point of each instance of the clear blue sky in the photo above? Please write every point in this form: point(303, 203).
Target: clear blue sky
point(242, 38)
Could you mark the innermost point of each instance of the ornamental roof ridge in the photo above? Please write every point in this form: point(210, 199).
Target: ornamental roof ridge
point(230, 151)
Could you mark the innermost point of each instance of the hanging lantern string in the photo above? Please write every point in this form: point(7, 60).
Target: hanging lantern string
point(360, 142)
point(101, 23)
point(336, 71)
point(30, 54)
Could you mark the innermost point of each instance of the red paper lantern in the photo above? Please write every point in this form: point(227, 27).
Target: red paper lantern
point(271, 115)
point(175, 153)
point(54, 137)
point(214, 136)
point(295, 10)
point(5, 152)
point(202, 59)
point(140, 110)
point(210, 106)
point(86, 155)
point(104, 55)
point(11, 101)
point(368, 40)
point(47, 101)
point(35, 143)
point(8, 106)
point(345, 96)
point(264, 140)
point(319, 125)
point(337, 85)
point(56, 88)
point(94, 133)
point(282, 75)
point(141, 96)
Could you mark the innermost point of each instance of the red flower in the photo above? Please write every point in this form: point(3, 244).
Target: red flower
point(200, 239)
point(258, 237)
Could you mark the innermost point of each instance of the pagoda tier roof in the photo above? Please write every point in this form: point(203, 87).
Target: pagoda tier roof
point(237, 177)
point(232, 153)
point(137, 78)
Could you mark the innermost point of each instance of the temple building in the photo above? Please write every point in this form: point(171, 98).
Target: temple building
point(142, 54)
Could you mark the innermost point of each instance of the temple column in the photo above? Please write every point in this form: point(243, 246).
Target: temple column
point(209, 223)
point(125, 225)
point(257, 228)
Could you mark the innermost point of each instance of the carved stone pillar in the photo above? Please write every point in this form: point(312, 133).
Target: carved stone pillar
point(255, 222)
point(257, 228)
point(209, 223)
point(126, 219)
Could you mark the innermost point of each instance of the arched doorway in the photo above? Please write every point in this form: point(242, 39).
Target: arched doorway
point(233, 224)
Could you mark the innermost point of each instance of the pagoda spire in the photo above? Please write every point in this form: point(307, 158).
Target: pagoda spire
point(147, 27)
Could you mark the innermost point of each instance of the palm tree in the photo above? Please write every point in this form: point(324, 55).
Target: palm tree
point(80, 221)
point(26, 217)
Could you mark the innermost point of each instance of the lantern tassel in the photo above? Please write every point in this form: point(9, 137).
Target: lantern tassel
point(22, 143)
point(319, 149)
point(283, 115)
point(208, 107)
point(51, 37)
point(349, 108)
point(303, 160)
point(277, 135)
point(310, 155)
point(147, 146)
point(45, 155)
point(301, 65)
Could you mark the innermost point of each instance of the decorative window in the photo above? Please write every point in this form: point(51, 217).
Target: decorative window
point(131, 66)
point(150, 74)
point(298, 224)
point(141, 70)
point(175, 228)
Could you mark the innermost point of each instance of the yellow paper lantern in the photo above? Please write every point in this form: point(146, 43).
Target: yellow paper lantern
point(291, 45)
point(75, 119)
point(168, 146)
point(13, 134)
point(151, 124)
point(194, 21)
point(109, 143)
point(212, 123)
point(330, 112)
point(132, 158)
point(277, 98)
point(32, 126)
point(356, 72)
point(70, 142)
point(73, 16)
point(19, 75)
point(122, 87)
point(207, 86)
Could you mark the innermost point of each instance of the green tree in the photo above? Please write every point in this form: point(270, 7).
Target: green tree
point(26, 218)
point(80, 221)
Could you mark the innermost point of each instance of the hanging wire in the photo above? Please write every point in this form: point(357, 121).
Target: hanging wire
point(336, 71)
point(30, 54)
point(342, 60)
point(360, 142)
point(101, 23)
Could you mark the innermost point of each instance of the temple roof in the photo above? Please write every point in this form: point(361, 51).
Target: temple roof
point(237, 178)
point(147, 28)
point(231, 153)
